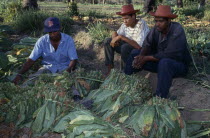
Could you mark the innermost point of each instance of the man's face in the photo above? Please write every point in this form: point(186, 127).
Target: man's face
point(162, 24)
point(55, 36)
point(128, 20)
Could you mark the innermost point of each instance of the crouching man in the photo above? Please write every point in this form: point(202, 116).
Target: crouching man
point(164, 51)
point(57, 50)
point(129, 36)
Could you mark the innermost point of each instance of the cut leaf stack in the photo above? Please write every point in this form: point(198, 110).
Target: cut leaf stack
point(158, 118)
point(118, 91)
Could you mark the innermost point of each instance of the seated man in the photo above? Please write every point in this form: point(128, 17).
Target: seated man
point(164, 51)
point(129, 36)
point(57, 50)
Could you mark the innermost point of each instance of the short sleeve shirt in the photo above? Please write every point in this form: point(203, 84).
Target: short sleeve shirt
point(138, 33)
point(55, 61)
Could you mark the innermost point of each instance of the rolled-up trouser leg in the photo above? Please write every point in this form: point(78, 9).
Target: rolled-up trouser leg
point(167, 70)
point(109, 52)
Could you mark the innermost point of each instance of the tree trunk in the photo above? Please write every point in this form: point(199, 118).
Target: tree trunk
point(201, 4)
point(104, 1)
point(28, 4)
point(179, 3)
point(149, 5)
point(127, 1)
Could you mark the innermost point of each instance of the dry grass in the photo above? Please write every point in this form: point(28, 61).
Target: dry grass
point(83, 39)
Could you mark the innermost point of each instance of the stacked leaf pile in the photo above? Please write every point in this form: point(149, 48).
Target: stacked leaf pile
point(12, 60)
point(87, 81)
point(158, 118)
point(118, 91)
point(25, 104)
point(41, 105)
point(83, 123)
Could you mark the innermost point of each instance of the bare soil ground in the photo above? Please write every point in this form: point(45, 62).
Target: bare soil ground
point(188, 94)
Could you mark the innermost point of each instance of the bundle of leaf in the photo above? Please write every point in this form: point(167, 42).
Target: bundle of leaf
point(3, 64)
point(18, 55)
point(49, 114)
point(25, 103)
point(118, 91)
point(22, 104)
point(158, 118)
point(5, 30)
point(82, 123)
point(5, 44)
point(87, 81)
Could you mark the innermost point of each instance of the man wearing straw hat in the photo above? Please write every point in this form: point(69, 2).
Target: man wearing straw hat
point(129, 36)
point(164, 51)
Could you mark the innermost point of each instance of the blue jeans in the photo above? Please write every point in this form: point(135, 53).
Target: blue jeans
point(166, 70)
point(124, 49)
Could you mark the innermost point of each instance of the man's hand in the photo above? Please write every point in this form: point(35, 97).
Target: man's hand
point(138, 62)
point(115, 41)
point(17, 79)
point(69, 70)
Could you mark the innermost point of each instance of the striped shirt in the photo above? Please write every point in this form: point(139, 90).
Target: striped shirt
point(138, 33)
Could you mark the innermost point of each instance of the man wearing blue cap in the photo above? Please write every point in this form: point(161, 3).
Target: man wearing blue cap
point(57, 50)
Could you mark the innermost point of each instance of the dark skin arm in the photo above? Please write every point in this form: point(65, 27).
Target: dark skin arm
point(140, 60)
point(116, 38)
point(26, 66)
point(72, 65)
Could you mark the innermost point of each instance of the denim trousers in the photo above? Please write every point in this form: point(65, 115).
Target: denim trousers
point(124, 49)
point(166, 70)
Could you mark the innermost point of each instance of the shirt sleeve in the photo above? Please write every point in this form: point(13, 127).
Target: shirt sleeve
point(37, 51)
point(144, 30)
point(72, 53)
point(121, 30)
point(176, 46)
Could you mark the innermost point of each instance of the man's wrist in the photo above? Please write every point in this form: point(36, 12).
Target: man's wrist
point(69, 69)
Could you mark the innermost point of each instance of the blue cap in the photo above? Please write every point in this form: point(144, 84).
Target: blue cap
point(51, 24)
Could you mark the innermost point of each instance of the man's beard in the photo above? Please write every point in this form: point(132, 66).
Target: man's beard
point(55, 38)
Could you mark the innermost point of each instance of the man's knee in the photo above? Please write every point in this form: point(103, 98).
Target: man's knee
point(165, 63)
point(107, 41)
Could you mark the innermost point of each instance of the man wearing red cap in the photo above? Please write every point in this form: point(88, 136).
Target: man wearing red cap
point(129, 36)
point(164, 51)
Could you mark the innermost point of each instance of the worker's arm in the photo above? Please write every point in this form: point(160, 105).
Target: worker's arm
point(139, 61)
point(72, 65)
point(133, 43)
point(26, 66)
point(116, 38)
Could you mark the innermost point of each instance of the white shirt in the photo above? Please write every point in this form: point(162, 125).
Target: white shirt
point(138, 33)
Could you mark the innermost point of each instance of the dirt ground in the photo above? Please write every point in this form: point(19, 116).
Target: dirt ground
point(188, 94)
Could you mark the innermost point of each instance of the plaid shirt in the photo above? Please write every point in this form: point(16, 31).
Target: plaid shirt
point(138, 33)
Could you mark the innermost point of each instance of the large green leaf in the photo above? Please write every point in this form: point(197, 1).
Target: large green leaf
point(3, 61)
